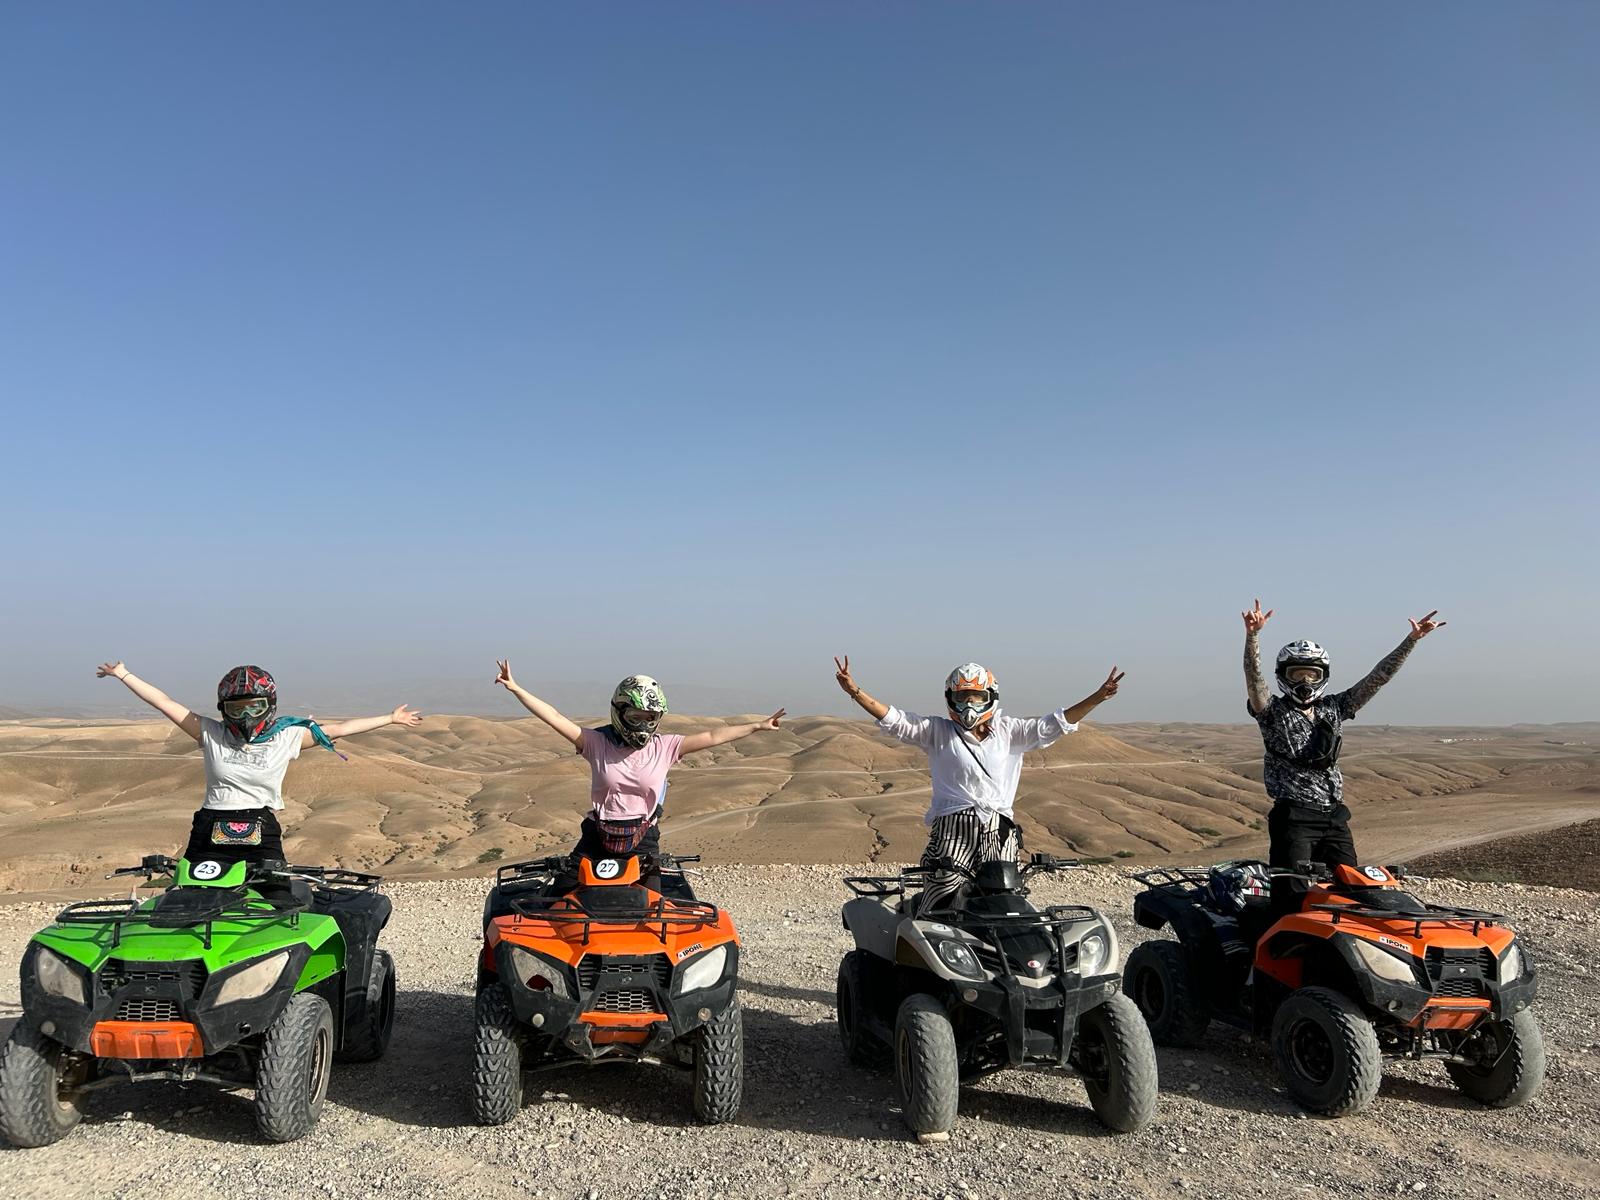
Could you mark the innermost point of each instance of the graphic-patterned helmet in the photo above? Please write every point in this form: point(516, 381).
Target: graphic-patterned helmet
point(1302, 671)
point(971, 677)
point(1231, 885)
point(637, 706)
point(247, 698)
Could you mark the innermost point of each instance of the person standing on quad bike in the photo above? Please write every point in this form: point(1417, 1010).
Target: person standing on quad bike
point(975, 761)
point(246, 754)
point(628, 761)
point(1309, 821)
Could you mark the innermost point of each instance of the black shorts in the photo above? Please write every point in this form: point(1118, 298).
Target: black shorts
point(235, 835)
point(1310, 835)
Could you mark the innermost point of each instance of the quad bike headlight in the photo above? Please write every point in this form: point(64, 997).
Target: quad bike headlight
point(1383, 964)
point(1093, 951)
point(705, 970)
point(1511, 963)
point(541, 973)
point(57, 978)
point(254, 980)
point(958, 956)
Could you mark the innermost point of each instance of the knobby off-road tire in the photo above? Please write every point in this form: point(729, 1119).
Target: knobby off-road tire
point(35, 1106)
point(719, 1066)
point(1518, 1073)
point(926, 1073)
point(1160, 981)
point(1117, 1060)
point(496, 1058)
point(367, 1038)
point(854, 997)
point(1327, 1052)
point(293, 1069)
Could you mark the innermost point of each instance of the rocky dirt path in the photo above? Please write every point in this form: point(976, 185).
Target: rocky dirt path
point(811, 1125)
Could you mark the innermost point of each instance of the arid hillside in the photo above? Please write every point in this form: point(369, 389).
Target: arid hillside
point(459, 792)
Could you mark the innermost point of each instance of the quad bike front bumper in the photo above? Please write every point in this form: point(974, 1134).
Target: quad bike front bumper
point(596, 1022)
point(1039, 1022)
point(1441, 999)
point(154, 1010)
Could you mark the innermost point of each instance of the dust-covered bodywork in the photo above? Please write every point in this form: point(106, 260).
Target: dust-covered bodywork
point(191, 983)
point(1013, 983)
point(1350, 951)
point(586, 960)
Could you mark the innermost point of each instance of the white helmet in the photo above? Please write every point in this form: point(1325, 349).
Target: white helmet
point(971, 677)
point(1302, 671)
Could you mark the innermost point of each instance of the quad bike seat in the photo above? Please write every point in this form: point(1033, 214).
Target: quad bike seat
point(996, 877)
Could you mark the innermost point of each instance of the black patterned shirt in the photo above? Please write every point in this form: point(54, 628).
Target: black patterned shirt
point(1287, 730)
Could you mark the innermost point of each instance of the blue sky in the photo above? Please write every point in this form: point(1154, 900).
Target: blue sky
point(369, 342)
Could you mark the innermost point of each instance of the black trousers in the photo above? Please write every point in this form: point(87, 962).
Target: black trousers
point(1310, 835)
point(228, 836)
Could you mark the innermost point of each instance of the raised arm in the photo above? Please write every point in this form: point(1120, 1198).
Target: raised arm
point(1255, 686)
point(708, 738)
point(404, 715)
point(877, 708)
point(545, 712)
point(1099, 696)
point(153, 696)
point(1356, 698)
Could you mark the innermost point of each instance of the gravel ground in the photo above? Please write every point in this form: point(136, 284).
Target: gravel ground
point(812, 1126)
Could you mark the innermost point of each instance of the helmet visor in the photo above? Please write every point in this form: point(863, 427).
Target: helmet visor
point(1304, 673)
point(639, 718)
point(246, 709)
point(970, 699)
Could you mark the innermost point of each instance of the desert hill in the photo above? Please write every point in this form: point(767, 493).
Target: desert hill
point(462, 791)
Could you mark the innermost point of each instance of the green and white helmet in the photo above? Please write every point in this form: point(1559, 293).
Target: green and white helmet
point(637, 706)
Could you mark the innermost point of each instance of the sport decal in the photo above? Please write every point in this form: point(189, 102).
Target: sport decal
point(209, 869)
point(607, 868)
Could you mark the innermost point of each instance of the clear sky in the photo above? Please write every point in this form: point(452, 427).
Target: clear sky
point(372, 341)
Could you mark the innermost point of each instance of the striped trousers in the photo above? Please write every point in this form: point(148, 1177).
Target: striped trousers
point(957, 843)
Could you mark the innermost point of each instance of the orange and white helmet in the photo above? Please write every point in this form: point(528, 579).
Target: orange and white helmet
point(971, 692)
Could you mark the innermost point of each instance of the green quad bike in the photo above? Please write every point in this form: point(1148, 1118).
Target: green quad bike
point(239, 974)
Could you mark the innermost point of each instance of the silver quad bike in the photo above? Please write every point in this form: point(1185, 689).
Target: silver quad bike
point(984, 982)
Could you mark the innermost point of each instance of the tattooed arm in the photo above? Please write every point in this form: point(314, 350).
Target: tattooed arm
point(1357, 697)
point(1254, 685)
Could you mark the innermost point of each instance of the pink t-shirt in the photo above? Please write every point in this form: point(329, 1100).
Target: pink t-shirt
point(627, 783)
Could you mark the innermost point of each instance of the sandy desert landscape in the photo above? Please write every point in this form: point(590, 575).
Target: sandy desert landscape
point(779, 818)
point(461, 792)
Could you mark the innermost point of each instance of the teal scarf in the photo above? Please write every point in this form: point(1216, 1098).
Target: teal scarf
point(282, 723)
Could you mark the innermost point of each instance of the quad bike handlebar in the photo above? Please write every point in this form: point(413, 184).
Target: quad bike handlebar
point(1049, 862)
point(150, 866)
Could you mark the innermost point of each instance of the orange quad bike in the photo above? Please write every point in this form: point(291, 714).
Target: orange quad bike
point(585, 961)
point(1339, 968)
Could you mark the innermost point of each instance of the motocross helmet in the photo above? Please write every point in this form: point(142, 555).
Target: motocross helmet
point(967, 709)
point(637, 706)
point(248, 700)
point(1302, 671)
point(1232, 885)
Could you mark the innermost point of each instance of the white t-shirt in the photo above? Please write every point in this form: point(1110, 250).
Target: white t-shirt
point(245, 774)
point(958, 781)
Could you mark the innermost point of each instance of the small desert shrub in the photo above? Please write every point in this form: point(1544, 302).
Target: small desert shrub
point(491, 854)
point(1124, 854)
point(1208, 831)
